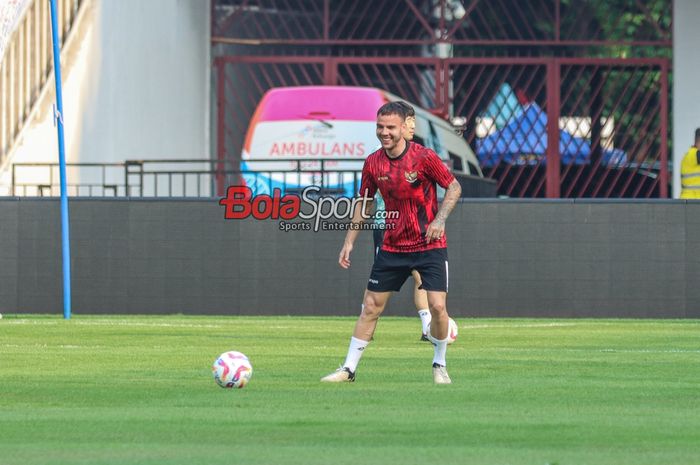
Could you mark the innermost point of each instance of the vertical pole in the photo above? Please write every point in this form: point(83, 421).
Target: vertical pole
point(447, 86)
point(330, 72)
point(557, 20)
point(65, 235)
point(553, 108)
point(439, 89)
point(326, 19)
point(663, 171)
point(221, 128)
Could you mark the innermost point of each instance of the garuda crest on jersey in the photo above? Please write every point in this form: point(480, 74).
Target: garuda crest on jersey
point(411, 176)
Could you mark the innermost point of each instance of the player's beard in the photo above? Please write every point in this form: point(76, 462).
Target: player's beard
point(391, 144)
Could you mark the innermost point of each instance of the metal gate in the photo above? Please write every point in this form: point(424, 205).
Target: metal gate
point(566, 127)
point(543, 124)
point(561, 128)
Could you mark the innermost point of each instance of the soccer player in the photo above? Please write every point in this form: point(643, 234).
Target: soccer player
point(420, 297)
point(406, 174)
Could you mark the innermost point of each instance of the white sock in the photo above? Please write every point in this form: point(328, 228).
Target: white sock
point(425, 318)
point(440, 351)
point(357, 347)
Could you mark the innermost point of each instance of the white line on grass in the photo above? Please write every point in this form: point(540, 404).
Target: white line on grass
point(518, 325)
point(136, 323)
point(650, 351)
point(112, 323)
point(48, 346)
point(605, 350)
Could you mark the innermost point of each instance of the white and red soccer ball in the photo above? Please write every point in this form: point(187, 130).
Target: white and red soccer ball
point(232, 370)
point(452, 332)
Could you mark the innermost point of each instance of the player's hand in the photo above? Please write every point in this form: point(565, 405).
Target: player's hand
point(344, 258)
point(435, 231)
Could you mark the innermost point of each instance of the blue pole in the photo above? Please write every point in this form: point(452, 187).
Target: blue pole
point(65, 235)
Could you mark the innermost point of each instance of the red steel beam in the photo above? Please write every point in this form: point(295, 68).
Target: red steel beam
point(474, 42)
point(330, 72)
point(553, 188)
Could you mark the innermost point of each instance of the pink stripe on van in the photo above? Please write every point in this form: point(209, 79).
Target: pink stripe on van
point(321, 102)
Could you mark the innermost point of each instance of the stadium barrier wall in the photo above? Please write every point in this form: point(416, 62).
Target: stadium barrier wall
point(508, 258)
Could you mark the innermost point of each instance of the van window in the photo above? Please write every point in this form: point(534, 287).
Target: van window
point(434, 140)
point(456, 162)
point(473, 169)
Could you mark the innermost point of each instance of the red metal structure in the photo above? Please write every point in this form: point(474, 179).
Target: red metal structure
point(593, 73)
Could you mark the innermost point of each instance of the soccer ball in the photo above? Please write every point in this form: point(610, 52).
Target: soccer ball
point(452, 332)
point(232, 370)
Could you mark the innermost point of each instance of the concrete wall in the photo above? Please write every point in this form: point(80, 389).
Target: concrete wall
point(686, 91)
point(150, 81)
point(136, 85)
point(507, 258)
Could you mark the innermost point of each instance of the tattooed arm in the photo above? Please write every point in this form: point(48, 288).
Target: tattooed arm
point(436, 229)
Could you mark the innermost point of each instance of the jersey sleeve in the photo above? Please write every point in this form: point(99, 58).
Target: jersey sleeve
point(368, 184)
point(436, 170)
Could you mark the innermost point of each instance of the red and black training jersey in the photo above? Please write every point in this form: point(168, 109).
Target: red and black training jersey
point(407, 184)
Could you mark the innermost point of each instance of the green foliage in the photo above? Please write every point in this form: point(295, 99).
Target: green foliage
point(615, 22)
point(138, 390)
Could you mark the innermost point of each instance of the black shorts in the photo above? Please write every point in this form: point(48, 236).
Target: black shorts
point(378, 236)
point(391, 269)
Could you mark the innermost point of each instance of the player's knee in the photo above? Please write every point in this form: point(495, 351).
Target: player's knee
point(438, 308)
point(371, 308)
point(370, 313)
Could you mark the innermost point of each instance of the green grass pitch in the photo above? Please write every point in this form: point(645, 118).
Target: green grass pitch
point(139, 390)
